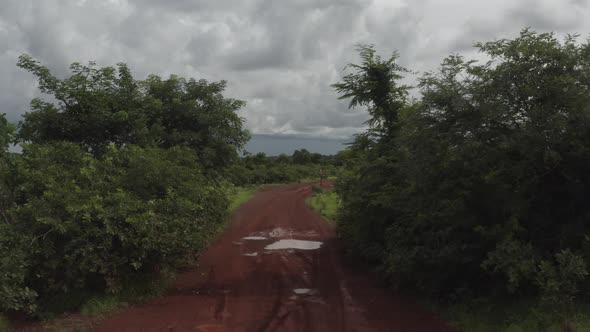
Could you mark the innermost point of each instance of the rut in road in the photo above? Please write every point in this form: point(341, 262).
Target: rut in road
point(241, 284)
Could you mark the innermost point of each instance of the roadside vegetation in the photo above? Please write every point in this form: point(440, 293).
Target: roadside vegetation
point(240, 196)
point(3, 324)
point(325, 202)
point(475, 189)
point(301, 166)
point(518, 316)
point(120, 182)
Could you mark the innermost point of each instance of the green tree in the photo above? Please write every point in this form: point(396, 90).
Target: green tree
point(481, 180)
point(119, 179)
point(301, 157)
point(374, 84)
point(15, 246)
point(97, 107)
point(7, 170)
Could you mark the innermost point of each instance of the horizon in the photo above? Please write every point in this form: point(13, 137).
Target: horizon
point(274, 145)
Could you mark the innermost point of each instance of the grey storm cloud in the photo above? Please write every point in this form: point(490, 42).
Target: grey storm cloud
point(279, 56)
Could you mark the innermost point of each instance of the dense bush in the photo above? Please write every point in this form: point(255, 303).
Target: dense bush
point(16, 248)
point(99, 221)
point(97, 107)
point(118, 180)
point(479, 186)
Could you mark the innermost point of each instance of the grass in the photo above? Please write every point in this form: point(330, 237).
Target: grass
point(523, 316)
point(326, 203)
point(102, 305)
point(3, 324)
point(240, 196)
point(134, 291)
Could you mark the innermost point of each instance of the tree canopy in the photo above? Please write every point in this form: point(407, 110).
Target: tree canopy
point(97, 107)
point(480, 184)
point(120, 180)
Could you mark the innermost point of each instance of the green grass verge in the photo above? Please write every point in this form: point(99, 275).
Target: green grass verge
point(134, 291)
point(137, 291)
point(240, 196)
point(3, 324)
point(523, 316)
point(102, 305)
point(326, 203)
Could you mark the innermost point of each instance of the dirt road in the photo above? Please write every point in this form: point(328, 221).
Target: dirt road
point(256, 278)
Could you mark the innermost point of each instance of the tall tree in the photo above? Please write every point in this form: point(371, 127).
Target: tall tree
point(97, 107)
point(483, 180)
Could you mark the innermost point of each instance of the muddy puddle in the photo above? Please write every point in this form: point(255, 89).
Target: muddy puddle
point(254, 238)
point(303, 291)
point(280, 233)
point(294, 244)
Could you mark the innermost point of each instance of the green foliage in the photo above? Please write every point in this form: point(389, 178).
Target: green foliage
point(326, 203)
point(479, 186)
point(7, 130)
point(373, 84)
point(15, 264)
point(119, 181)
point(3, 324)
point(317, 189)
point(7, 169)
point(514, 316)
point(240, 196)
point(560, 283)
point(99, 221)
point(16, 247)
point(261, 169)
point(305, 157)
point(97, 107)
point(102, 305)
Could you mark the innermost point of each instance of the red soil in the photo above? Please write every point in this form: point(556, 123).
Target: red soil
point(229, 291)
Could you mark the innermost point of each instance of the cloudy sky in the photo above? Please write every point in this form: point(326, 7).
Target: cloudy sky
point(279, 55)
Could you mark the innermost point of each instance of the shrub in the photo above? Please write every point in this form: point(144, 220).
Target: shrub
point(119, 179)
point(15, 265)
point(472, 188)
point(318, 189)
point(99, 222)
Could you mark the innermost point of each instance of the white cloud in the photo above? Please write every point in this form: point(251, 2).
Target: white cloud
point(281, 57)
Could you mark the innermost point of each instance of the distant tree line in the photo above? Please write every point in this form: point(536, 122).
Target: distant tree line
point(301, 165)
point(479, 184)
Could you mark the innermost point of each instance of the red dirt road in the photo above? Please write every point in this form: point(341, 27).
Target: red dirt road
point(241, 286)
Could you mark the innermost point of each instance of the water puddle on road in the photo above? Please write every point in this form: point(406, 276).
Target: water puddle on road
point(289, 233)
point(294, 244)
point(252, 254)
point(302, 291)
point(254, 238)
